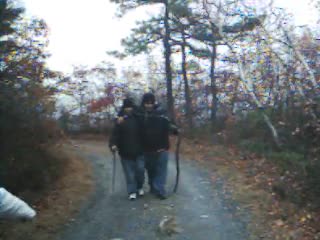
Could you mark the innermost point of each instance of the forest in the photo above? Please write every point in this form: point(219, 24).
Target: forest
point(229, 73)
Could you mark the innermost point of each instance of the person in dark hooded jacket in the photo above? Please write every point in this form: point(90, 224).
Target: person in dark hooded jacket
point(126, 139)
point(156, 128)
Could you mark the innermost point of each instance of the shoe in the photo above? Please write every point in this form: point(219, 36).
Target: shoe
point(162, 196)
point(132, 196)
point(153, 191)
point(140, 192)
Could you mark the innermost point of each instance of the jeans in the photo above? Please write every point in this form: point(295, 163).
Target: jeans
point(134, 173)
point(157, 169)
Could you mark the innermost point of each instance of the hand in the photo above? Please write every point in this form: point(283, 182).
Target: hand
point(120, 120)
point(176, 131)
point(114, 148)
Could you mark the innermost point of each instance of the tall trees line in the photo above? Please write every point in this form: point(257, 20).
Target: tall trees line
point(263, 50)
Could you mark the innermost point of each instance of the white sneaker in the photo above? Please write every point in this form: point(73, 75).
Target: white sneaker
point(132, 196)
point(140, 192)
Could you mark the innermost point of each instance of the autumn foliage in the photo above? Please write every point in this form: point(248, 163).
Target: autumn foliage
point(26, 107)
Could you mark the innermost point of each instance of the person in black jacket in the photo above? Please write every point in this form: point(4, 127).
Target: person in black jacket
point(156, 128)
point(126, 139)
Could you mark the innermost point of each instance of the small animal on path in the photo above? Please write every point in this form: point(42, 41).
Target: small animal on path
point(168, 226)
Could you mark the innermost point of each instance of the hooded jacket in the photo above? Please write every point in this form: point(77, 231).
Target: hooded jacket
point(156, 128)
point(127, 136)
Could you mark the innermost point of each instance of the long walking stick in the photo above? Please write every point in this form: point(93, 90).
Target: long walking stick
point(113, 171)
point(177, 163)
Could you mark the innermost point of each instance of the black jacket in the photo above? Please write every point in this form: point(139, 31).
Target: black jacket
point(127, 137)
point(155, 130)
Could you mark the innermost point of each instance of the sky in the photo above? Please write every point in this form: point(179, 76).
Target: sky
point(82, 31)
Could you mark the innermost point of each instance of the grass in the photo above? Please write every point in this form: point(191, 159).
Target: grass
point(60, 200)
point(288, 160)
point(31, 170)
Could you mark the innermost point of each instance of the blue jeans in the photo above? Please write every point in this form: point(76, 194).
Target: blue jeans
point(134, 173)
point(157, 169)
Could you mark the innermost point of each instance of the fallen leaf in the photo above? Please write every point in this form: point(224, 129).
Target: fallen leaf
point(279, 223)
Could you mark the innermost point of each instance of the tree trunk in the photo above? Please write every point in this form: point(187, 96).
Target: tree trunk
point(266, 118)
point(167, 53)
point(214, 107)
point(302, 59)
point(234, 97)
point(188, 106)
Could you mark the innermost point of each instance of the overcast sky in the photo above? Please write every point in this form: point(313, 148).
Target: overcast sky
point(81, 31)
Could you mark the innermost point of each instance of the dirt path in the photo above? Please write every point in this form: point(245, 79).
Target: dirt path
point(200, 207)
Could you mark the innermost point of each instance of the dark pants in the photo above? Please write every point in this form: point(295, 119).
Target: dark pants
point(134, 173)
point(157, 169)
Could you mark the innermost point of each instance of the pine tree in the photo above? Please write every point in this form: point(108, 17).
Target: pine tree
point(8, 16)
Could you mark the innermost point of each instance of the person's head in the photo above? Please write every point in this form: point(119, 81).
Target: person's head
point(128, 106)
point(148, 101)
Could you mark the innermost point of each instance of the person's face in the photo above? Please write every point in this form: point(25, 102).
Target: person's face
point(148, 106)
point(128, 110)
